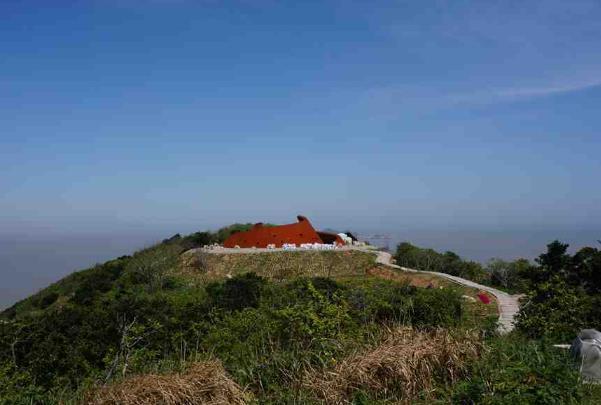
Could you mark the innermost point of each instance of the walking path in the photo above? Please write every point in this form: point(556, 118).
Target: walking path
point(508, 304)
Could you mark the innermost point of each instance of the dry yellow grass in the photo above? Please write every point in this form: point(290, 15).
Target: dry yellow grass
point(405, 364)
point(203, 383)
point(415, 279)
point(202, 266)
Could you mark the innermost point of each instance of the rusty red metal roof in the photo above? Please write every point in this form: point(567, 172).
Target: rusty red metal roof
point(261, 236)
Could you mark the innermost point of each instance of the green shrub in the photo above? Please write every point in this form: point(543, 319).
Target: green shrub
point(134, 314)
point(152, 267)
point(436, 308)
point(313, 320)
point(196, 240)
point(510, 276)
point(47, 299)
point(246, 342)
point(97, 281)
point(564, 294)
point(222, 234)
point(65, 345)
point(327, 287)
point(556, 310)
point(380, 301)
point(239, 292)
point(386, 302)
point(17, 387)
point(411, 256)
point(520, 371)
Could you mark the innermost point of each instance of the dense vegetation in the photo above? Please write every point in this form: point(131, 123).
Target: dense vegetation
point(511, 276)
point(563, 291)
point(564, 294)
point(408, 255)
point(561, 297)
point(277, 338)
point(517, 370)
point(265, 333)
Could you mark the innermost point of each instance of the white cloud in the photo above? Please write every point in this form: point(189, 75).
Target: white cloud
point(523, 92)
point(401, 100)
point(519, 93)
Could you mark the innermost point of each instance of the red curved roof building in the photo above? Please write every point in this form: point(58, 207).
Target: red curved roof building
point(261, 236)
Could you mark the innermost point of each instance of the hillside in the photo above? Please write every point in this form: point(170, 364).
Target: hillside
point(155, 261)
point(302, 327)
point(206, 265)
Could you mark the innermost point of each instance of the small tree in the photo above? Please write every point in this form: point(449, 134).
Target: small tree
point(510, 275)
point(153, 265)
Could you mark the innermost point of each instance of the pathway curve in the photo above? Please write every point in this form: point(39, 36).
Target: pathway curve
point(508, 304)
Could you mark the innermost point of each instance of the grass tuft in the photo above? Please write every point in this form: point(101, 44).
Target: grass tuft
point(407, 364)
point(202, 383)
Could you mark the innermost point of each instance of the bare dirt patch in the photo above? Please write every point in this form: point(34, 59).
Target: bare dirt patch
point(414, 279)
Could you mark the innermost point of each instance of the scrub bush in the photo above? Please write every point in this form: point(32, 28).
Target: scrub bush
point(520, 371)
point(435, 307)
point(239, 292)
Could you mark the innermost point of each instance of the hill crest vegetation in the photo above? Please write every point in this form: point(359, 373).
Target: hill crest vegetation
point(121, 325)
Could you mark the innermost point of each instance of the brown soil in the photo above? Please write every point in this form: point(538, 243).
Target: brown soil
point(414, 279)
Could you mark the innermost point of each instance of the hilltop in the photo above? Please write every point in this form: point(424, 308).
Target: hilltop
point(299, 326)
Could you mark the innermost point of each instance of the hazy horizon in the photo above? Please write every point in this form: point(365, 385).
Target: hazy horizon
point(30, 262)
point(464, 125)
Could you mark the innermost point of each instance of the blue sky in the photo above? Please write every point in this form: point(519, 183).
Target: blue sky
point(171, 116)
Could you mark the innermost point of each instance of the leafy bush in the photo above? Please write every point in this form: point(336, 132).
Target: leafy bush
point(62, 346)
point(151, 267)
point(564, 294)
point(556, 310)
point(313, 319)
point(381, 302)
point(510, 276)
point(269, 347)
point(197, 239)
point(411, 256)
point(97, 281)
point(387, 302)
point(328, 287)
point(520, 371)
point(136, 315)
point(47, 299)
point(17, 387)
point(436, 308)
point(240, 292)
point(222, 234)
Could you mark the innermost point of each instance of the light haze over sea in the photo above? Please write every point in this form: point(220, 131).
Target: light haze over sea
point(465, 125)
point(31, 262)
